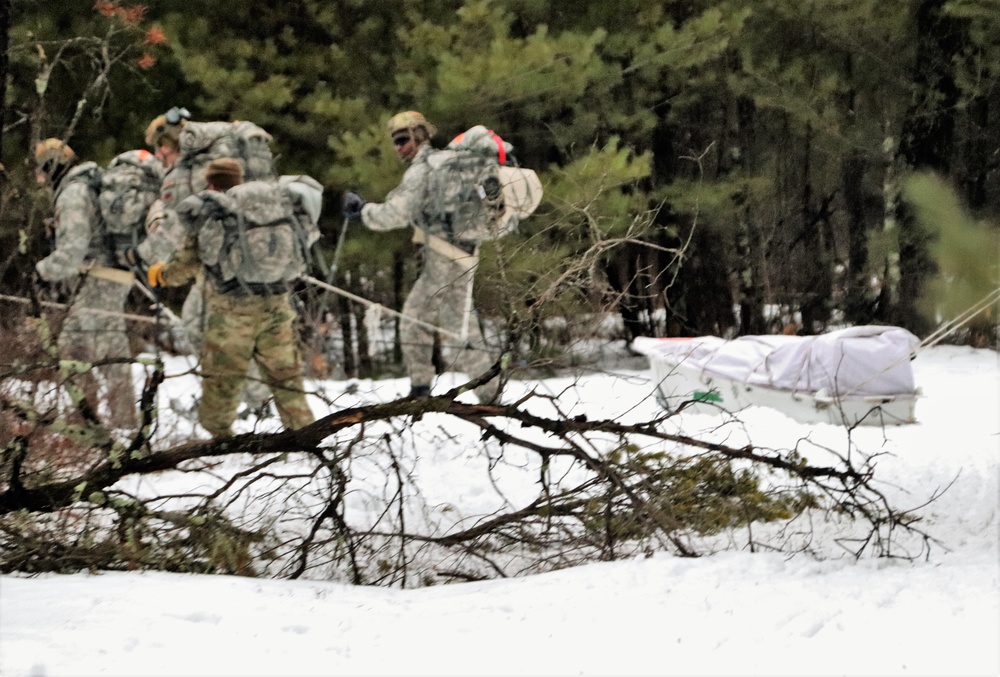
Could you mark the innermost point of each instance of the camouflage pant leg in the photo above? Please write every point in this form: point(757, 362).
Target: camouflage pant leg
point(226, 351)
point(439, 297)
point(88, 337)
point(255, 392)
point(277, 354)
point(241, 330)
point(418, 341)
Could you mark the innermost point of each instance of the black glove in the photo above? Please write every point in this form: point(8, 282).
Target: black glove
point(352, 205)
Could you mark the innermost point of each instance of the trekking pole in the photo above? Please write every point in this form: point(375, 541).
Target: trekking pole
point(151, 295)
point(339, 248)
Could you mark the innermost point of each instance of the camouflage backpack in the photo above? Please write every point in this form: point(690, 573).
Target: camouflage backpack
point(464, 199)
point(126, 189)
point(202, 142)
point(89, 174)
point(258, 237)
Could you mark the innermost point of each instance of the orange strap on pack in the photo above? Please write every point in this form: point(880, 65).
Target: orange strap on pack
point(501, 148)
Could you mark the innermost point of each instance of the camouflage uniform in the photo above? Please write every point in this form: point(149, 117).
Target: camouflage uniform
point(241, 327)
point(90, 336)
point(255, 393)
point(440, 293)
point(165, 234)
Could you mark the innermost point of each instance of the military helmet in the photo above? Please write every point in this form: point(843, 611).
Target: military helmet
point(410, 119)
point(167, 127)
point(55, 151)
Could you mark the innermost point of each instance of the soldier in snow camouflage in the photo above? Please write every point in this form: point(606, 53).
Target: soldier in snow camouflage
point(442, 291)
point(79, 245)
point(246, 320)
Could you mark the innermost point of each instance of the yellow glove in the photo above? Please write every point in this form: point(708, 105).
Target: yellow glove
point(155, 274)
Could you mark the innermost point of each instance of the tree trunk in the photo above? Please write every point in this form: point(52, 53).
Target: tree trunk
point(347, 332)
point(748, 245)
point(858, 301)
point(621, 274)
point(927, 142)
point(5, 10)
point(818, 283)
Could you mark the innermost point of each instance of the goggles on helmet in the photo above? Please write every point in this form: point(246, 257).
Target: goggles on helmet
point(175, 115)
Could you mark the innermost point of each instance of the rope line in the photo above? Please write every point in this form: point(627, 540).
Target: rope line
point(354, 297)
point(948, 328)
point(94, 311)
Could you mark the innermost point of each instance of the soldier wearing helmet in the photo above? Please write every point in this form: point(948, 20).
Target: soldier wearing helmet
point(442, 292)
point(163, 232)
point(245, 323)
point(410, 131)
point(81, 248)
point(53, 158)
point(164, 132)
point(165, 235)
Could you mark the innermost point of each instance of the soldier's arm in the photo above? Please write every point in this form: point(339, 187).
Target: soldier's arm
point(184, 263)
point(403, 204)
point(164, 233)
point(75, 214)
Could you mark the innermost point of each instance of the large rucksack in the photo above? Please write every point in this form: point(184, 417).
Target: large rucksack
point(202, 142)
point(126, 189)
point(466, 198)
point(258, 236)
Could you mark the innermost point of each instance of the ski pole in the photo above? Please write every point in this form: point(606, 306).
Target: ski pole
point(340, 247)
point(151, 295)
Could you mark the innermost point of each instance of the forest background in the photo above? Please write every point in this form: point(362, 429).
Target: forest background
point(709, 160)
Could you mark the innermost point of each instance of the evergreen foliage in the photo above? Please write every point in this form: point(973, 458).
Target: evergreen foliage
point(770, 139)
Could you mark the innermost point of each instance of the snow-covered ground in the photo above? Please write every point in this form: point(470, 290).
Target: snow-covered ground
point(734, 612)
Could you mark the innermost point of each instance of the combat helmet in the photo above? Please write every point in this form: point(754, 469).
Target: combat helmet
point(50, 152)
point(409, 120)
point(166, 129)
point(53, 159)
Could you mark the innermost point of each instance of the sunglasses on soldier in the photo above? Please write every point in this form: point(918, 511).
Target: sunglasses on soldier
point(401, 140)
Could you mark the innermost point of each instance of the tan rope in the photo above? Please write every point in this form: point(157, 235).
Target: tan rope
point(93, 311)
point(952, 325)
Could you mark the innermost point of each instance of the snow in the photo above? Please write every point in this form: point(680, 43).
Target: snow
point(733, 612)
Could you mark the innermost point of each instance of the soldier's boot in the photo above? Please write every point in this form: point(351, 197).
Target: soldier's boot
point(420, 391)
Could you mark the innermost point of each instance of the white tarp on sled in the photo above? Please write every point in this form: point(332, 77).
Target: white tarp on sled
point(860, 375)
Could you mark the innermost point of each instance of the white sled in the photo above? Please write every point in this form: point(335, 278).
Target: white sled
point(855, 376)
